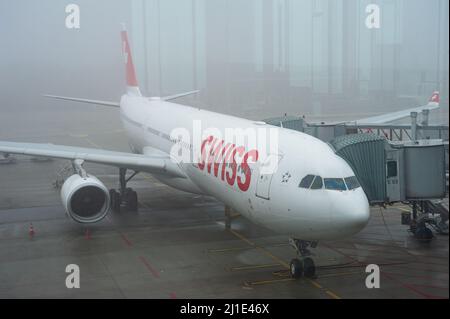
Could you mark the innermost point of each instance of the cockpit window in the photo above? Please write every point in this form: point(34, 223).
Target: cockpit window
point(318, 183)
point(352, 183)
point(306, 181)
point(337, 184)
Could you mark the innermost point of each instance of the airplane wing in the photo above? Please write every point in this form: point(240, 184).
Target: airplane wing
point(142, 163)
point(394, 116)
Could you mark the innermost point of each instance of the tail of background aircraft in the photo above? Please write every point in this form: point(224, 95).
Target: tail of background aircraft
point(435, 98)
point(132, 83)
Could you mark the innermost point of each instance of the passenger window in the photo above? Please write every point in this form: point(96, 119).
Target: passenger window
point(318, 183)
point(336, 184)
point(352, 183)
point(306, 182)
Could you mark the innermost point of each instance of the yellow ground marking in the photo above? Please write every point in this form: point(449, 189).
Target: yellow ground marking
point(341, 274)
point(265, 251)
point(231, 249)
point(225, 250)
point(281, 262)
point(253, 267)
point(266, 282)
point(332, 294)
point(315, 284)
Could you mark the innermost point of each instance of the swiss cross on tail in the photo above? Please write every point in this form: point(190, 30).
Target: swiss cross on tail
point(132, 83)
point(435, 98)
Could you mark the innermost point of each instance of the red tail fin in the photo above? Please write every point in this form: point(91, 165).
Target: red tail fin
point(132, 83)
point(435, 98)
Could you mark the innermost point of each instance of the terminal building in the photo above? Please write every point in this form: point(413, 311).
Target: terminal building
point(313, 57)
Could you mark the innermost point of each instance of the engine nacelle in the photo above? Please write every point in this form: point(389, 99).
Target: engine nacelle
point(86, 200)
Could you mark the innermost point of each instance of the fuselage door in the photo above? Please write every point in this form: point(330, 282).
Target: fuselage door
point(266, 172)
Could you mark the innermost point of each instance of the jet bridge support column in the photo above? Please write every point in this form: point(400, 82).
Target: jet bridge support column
point(414, 126)
point(425, 117)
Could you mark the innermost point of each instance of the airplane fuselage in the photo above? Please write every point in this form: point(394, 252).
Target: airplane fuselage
point(273, 200)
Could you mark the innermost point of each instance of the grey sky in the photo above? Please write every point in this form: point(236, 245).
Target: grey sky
point(253, 58)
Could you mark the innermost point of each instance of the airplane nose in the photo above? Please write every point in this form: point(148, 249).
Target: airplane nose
point(353, 214)
point(359, 215)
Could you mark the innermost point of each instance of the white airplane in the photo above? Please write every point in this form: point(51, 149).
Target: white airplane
point(312, 195)
point(433, 104)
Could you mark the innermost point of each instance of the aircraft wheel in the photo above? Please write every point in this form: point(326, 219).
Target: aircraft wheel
point(309, 268)
point(296, 268)
point(424, 234)
point(132, 201)
point(115, 200)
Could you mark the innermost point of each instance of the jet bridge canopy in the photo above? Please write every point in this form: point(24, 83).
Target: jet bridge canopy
point(365, 153)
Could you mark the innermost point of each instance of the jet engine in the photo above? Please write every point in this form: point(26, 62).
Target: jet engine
point(85, 199)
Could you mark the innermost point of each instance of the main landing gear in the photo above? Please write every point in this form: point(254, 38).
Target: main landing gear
point(125, 197)
point(303, 265)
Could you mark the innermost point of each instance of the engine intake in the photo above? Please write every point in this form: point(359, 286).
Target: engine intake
point(86, 200)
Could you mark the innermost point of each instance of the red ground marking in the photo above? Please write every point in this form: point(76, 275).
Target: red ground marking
point(152, 270)
point(412, 288)
point(173, 295)
point(126, 240)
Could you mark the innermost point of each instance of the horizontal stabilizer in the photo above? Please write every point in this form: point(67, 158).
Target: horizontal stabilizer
point(97, 102)
point(176, 96)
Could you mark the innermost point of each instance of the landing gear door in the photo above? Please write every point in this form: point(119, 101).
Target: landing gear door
point(266, 172)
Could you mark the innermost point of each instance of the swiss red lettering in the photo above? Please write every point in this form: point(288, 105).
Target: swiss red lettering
point(214, 151)
point(244, 186)
point(220, 159)
point(226, 160)
point(231, 179)
point(202, 164)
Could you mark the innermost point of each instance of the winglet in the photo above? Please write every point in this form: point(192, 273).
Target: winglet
point(132, 83)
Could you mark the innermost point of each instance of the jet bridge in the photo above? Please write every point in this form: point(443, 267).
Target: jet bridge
point(412, 172)
point(392, 165)
point(395, 172)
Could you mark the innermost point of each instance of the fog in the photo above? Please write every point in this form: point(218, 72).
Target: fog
point(251, 58)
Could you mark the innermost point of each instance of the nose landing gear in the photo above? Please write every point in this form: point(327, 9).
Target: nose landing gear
point(303, 265)
point(125, 196)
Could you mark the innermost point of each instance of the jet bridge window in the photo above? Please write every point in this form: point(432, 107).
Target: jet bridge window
point(306, 181)
point(392, 169)
point(352, 183)
point(336, 184)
